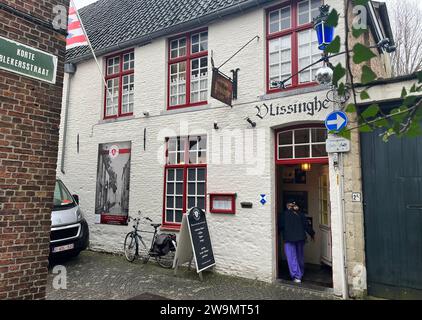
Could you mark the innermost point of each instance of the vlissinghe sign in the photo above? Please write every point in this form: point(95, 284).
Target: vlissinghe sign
point(24, 60)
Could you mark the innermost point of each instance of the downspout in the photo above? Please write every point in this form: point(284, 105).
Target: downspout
point(345, 282)
point(70, 69)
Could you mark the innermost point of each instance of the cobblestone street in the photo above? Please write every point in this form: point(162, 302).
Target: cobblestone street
point(102, 276)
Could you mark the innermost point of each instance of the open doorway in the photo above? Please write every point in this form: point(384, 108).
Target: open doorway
point(306, 181)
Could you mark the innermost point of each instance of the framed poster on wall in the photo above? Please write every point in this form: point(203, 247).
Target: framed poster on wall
point(113, 182)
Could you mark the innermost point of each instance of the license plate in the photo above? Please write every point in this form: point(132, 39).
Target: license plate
point(63, 248)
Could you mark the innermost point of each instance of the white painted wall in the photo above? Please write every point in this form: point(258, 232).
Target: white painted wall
point(244, 243)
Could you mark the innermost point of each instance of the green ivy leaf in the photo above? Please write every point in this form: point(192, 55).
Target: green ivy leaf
point(360, 2)
point(341, 89)
point(371, 111)
point(358, 32)
point(334, 46)
point(364, 95)
point(381, 123)
point(413, 89)
point(403, 92)
point(414, 130)
point(338, 73)
point(332, 19)
point(398, 115)
point(345, 133)
point(410, 101)
point(351, 108)
point(362, 53)
point(367, 75)
point(419, 75)
point(365, 128)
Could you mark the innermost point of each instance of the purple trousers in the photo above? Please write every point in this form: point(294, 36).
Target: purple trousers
point(295, 258)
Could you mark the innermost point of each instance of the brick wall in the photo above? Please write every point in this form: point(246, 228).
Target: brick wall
point(29, 122)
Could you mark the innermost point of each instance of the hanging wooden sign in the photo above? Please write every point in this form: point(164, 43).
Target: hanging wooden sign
point(221, 87)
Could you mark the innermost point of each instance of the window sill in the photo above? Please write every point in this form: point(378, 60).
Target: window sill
point(117, 119)
point(170, 228)
point(176, 110)
point(293, 91)
point(215, 211)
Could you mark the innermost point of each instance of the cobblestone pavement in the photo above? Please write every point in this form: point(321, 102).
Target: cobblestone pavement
point(102, 276)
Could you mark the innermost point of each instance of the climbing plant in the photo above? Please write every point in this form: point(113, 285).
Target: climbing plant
point(403, 121)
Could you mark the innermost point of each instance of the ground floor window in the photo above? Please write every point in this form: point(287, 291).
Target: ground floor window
point(185, 177)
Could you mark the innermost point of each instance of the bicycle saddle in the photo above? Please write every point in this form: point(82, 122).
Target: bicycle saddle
point(156, 225)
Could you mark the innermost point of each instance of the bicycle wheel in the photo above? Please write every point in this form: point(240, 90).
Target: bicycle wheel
point(167, 260)
point(130, 247)
point(143, 252)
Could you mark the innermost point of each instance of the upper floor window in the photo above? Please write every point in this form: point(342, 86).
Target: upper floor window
point(120, 79)
point(188, 70)
point(292, 43)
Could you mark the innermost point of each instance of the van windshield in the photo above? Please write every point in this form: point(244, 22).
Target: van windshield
point(62, 197)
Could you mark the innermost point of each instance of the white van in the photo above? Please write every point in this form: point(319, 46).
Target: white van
point(69, 230)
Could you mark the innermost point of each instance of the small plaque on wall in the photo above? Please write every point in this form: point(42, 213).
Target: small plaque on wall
point(223, 203)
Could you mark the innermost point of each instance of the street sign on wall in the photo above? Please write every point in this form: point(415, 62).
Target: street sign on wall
point(30, 62)
point(337, 145)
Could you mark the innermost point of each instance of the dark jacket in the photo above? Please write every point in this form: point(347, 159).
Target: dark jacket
point(294, 226)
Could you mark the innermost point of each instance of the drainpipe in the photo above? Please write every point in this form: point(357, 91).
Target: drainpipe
point(345, 286)
point(70, 69)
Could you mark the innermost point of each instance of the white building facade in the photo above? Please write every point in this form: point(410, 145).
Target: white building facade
point(188, 149)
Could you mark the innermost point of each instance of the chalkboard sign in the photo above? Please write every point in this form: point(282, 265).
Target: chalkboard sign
point(201, 241)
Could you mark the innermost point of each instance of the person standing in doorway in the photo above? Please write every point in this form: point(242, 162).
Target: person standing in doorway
point(294, 227)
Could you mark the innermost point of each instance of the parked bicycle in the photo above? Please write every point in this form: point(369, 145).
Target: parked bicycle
point(163, 245)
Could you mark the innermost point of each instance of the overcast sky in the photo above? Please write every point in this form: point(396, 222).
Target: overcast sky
point(82, 3)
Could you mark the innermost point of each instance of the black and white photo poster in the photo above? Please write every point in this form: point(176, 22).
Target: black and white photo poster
point(113, 181)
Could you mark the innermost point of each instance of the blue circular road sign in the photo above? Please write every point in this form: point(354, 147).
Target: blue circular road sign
point(336, 121)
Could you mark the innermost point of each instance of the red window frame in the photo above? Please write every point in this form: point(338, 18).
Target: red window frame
point(321, 160)
point(293, 32)
point(188, 58)
point(233, 201)
point(120, 76)
point(185, 166)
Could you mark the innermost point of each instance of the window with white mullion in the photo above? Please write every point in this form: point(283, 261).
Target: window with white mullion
point(178, 83)
point(199, 80)
point(280, 66)
point(196, 188)
point(174, 195)
point(112, 99)
point(308, 53)
point(280, 19)
point(178, 48)
point(199, 42)
point(197, 150)
point(113, 65)
point(129, 61)
point(302, 143)
point(128, 93)
point(176, 151)
point(308, 10)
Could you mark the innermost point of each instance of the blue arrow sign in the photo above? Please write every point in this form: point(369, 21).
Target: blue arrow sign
point(336, 121)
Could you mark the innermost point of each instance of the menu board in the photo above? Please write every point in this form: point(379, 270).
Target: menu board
point(200, 238)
